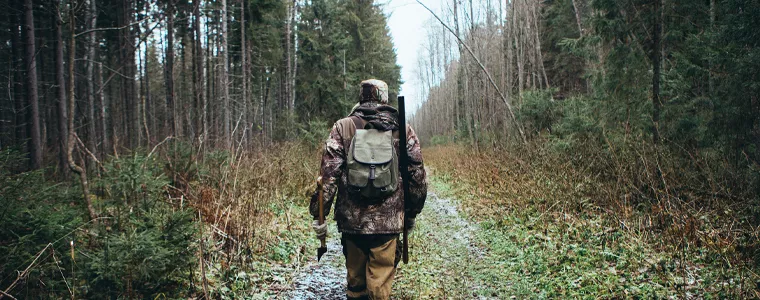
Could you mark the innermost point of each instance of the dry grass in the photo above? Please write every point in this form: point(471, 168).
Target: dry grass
point(675, 205)
point(254, 207)
point(254, 187)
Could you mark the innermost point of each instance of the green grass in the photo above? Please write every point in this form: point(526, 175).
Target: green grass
point(532, 253)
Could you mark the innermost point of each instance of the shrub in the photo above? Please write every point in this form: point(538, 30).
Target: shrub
point(148, 244)
point(142, 245)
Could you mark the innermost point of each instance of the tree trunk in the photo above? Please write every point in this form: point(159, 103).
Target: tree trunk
point(91, 19)
point(35, 144)
point(169, 122)
point(131, 106)
point(226, 79)
point(210, 68)
point(19, 108)
point(200, 91)
point(711, 79)
point(656, 64)
point(72, 134)
point(295, 58)
point(578, 19)
point(243, 68)
point(147, 99)
point(60, 83)
point(539, 54)
point(103, 107)
point(509, 52)
point(289, 53)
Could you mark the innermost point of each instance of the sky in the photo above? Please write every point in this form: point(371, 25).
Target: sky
point(406, 24)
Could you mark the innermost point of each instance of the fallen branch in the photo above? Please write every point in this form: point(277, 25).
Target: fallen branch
point(6, 294)
point(24, 273)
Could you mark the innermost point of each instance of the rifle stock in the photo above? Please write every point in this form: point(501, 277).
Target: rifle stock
point(404, 166)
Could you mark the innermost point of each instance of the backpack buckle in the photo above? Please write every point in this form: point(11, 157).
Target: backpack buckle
point(372, 172)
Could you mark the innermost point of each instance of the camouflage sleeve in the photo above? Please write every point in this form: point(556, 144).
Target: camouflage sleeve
point(333, 159)
point(417, 176)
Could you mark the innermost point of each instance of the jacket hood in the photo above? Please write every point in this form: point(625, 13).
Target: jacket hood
point(381, 116)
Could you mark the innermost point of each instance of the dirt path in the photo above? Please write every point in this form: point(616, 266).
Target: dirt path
point(321, 280)
point(442, 252)
point(444, 255)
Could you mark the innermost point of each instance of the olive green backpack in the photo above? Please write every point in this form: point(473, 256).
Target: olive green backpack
point(372, 162)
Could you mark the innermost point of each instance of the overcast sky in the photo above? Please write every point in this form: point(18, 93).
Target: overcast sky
point(406, 23)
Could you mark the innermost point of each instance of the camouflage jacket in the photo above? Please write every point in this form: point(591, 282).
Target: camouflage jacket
point(353, 216)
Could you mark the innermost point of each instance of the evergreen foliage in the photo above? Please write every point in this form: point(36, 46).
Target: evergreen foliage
point(341, 43)
point(141, 247)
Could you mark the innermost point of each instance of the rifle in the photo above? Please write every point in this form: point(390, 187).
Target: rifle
point(404, 166)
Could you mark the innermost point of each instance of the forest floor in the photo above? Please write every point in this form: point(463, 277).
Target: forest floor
point(530, 234)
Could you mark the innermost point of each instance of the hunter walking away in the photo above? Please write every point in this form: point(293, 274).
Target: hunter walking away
point(192, 149)
point(362, 166)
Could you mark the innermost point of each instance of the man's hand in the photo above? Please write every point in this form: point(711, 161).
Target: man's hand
point(409, 224)
point(320, 230)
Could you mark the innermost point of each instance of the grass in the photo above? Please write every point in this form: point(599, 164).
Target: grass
point(441, 255)
point(500, 225)
point(259, 229)
point(546, 234)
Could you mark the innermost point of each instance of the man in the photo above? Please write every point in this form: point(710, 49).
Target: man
point(370, 229)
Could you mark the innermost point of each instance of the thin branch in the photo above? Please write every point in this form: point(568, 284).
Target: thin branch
point(60, 270)
point(107, 28)
point(159, 144)
point(94, 158)
point(25, 272)
point(6, 294)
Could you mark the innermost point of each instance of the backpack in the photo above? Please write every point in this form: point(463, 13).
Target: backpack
point(372, 163)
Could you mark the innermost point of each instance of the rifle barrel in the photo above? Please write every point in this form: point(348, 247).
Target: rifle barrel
point(404, 165)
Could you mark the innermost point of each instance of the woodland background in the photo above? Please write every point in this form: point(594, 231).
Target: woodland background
point(167, 147)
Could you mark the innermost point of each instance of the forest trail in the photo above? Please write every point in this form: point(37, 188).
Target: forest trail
point(324, 279)
point(442, 253)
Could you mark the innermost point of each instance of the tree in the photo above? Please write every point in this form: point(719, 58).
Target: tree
point(60, 83)
point(91, 19)
point(656, 52)
point(225, 79)
point(72, 136)
point(170, 123)
point(35, 143)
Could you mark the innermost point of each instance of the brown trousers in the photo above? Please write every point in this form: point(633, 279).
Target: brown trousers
point(371, 264)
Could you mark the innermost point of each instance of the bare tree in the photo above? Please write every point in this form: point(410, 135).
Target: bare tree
point(169, 122)
point(244, 68)
point(578, 19)
point(91, 17)
point(656, 63)
point(199, 84)
point(60, 83)
point(288, 55)
point(483, 68)
point(225, 78)
point(72, 133)
point(35, 145)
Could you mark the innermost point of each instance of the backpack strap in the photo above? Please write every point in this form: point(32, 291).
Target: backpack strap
point(347, 131)
point(359, 123)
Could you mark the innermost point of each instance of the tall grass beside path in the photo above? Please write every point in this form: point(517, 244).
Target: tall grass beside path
point(553, 227)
